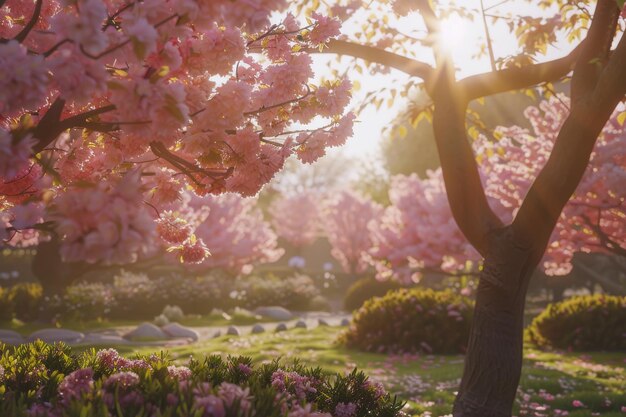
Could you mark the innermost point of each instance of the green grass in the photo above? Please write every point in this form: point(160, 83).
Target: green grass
point(428, 382)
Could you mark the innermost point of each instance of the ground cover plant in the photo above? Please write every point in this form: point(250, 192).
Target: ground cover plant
point(44, 380)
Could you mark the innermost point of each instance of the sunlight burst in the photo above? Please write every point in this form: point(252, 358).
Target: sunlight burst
point(453, 32)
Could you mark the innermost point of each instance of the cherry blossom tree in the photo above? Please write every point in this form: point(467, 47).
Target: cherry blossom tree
point(232, 230)
point(296, 218)
point(114, 107)
point(417, 233)
point(346, 220)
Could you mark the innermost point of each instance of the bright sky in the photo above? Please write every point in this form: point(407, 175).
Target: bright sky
point(463, 37)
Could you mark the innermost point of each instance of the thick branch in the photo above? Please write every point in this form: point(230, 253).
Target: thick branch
point(595, 52)
point(380, 56)
point(489, 83)
point(568, 161)
point(464, 188)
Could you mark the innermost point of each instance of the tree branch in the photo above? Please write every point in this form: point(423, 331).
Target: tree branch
point(380, 56)
point(596, 51)
point(20, 37)
point(569, 158)
point(489, 83)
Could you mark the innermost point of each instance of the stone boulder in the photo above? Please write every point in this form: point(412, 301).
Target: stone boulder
point(233, 331)
point(11, 337)
point(104, 339)
point(56, 335)
point(322, 322)
point(345, 322)
point(301, 324)
point(146, 332)
point(281, 327)
point(274, 312)
point(258, 328)
point(177, 331)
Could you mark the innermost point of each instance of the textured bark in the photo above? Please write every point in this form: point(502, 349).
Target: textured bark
point(494, 357)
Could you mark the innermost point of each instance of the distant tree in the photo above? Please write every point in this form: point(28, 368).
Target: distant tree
point(346, 217)
point(296, 218)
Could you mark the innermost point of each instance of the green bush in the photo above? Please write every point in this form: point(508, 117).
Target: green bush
point(50, 380)
point(293, 293)
point(411, 320)
point(593, 322)
point(22, 301)
point(366, 288)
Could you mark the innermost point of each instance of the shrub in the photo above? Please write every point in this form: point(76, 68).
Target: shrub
point(593, 322)
point(44, 380)
point(21, 301)
point(366, 288)
point(411, 320)
point(293, 293)
point(85, 301)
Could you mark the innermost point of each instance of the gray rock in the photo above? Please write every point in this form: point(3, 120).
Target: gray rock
point(232, 331)
point(274, 312)
point(176, 330)
point(11, 338)
point(281, 327)
point(301, 324)
point(146, 331)
point(104, 339)
point(345, 322)
point(217, 333)
point(258, 328)
point(322, 322)
point(56, 335)
point(9, 334)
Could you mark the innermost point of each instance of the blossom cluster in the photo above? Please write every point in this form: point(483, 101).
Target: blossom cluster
point(203, 95)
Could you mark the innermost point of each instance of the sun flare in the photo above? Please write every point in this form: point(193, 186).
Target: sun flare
point(453, 32)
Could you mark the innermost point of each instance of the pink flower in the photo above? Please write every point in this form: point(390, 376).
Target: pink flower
point(193, 251)
point(179, 372)
point(23, 80)
point(14, 154)
point(345, 410)
point(143, 36)
point(122, 380)
point(212, 406)
point(75, 385)
point(231, 393)
point(577, 404)
point(324, 29)
point(84, 28)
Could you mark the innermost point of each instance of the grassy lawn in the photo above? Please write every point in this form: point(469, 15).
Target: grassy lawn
point(550, 380)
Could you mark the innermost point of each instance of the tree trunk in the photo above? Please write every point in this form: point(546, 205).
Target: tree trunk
point(53, 274)
point(493, 362)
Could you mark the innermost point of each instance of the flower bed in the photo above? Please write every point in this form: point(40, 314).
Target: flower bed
point(41, 380)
